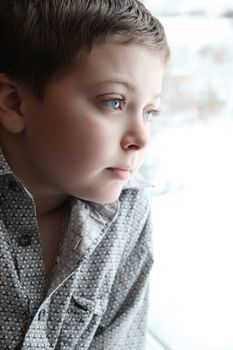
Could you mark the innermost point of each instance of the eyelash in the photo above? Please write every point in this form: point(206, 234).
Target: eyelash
point(155, 112)
point(105, 102)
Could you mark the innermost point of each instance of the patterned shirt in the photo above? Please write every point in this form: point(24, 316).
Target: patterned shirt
point(98, 296)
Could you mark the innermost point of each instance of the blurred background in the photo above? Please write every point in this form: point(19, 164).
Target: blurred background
point(190, 164)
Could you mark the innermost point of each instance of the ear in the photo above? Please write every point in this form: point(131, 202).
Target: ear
point(11, 116)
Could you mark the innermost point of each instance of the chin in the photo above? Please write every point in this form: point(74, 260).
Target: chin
point(104, 198)
point(103, 194)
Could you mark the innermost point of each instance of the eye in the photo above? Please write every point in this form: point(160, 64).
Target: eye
point(150, 115)
point(113, 103)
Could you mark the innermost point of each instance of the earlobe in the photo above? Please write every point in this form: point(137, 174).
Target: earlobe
point(11, 117)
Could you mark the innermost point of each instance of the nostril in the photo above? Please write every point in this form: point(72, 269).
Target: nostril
point(135, 140)
point(135, 147)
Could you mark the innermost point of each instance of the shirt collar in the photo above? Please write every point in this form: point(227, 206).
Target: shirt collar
point(4, 166)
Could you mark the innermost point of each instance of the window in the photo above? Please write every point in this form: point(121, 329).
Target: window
point(190, 164)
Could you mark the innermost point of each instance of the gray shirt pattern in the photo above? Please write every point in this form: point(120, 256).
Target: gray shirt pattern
point(98, 296)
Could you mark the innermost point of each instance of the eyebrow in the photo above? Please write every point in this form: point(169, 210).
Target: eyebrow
point(127, 85)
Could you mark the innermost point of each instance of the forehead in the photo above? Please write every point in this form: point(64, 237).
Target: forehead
point(113, 67)
point(112, 62)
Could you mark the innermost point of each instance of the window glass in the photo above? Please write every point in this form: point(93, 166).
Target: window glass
point(190, 164)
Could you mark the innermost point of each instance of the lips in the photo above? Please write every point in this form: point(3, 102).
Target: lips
point(122, 173)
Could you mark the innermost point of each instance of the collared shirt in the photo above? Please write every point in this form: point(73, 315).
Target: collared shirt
point(98, 296)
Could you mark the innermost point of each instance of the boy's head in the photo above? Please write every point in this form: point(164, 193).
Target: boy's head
point(42, 39)
point(80, 81)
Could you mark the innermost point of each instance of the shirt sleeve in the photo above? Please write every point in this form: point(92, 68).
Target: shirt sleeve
point(124, 323)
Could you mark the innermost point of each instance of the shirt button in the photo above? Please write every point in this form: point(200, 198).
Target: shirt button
point(42, 315)
point(25, 240)
point(13, 186)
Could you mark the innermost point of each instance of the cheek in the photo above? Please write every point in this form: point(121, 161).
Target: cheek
point(88, 135)
point(141, 157)
point(71, 135)
point(84, 144)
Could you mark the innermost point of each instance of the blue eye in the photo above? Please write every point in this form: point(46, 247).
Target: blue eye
point(113, 104)
point(150, 115)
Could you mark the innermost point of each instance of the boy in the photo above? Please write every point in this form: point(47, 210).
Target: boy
point(80, 82)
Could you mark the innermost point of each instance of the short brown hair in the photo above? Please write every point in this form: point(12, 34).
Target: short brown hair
point(41, 38)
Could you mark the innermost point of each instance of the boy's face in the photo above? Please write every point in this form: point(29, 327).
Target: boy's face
point(91, 131)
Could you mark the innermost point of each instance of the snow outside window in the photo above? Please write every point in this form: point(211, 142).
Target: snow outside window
point(190, 163)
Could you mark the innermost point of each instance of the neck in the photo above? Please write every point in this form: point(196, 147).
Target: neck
point(47, 205)
point(47, 201)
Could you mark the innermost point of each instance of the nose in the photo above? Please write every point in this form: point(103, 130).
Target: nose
point(136, 137)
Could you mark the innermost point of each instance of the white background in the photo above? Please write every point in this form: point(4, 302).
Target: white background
point(191, 165)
